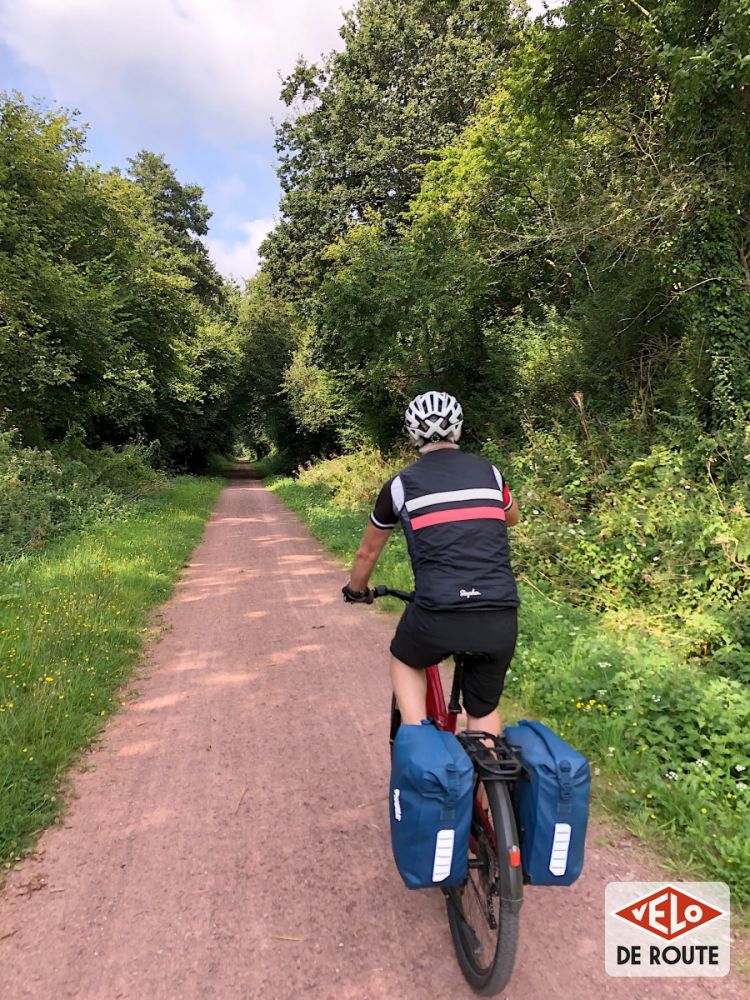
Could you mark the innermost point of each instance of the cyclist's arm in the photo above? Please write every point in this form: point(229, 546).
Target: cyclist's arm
point(509, 502)
point(372, 544)
point(382, 520)
point(512, 515)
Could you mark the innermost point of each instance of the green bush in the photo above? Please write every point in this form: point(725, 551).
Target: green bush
point(674, 736)
point(45, 493)
point(353, 481)
point(660, 540)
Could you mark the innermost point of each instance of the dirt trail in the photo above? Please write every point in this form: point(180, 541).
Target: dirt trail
point(230, 839)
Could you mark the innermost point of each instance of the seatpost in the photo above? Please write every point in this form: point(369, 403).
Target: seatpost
point(454, 705)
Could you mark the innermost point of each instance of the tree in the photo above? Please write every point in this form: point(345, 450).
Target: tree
point(180, 214)
point(371, 116)
point(90, 303)
point(101, 331)
point(269, 331)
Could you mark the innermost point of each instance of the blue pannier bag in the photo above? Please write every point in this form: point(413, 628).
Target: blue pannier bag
point(551, 803)
point(431, 800)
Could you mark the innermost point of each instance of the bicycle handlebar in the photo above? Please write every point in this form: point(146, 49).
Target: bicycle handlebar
point(382, 591)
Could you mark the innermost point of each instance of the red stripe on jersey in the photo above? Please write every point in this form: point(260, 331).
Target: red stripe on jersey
point(457, 514)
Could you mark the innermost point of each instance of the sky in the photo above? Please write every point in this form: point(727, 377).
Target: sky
point(196, 80)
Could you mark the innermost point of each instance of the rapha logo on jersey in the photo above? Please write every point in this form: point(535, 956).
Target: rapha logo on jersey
point(644, 918)
point(470, 593)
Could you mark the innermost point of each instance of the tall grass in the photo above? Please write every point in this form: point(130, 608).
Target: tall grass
point(71, 627)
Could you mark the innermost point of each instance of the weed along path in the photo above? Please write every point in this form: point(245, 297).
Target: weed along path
point(228, 837)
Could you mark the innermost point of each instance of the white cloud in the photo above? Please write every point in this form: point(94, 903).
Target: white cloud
point(161, 66)
point(239, 258)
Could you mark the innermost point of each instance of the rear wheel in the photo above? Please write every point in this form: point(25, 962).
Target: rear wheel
point(483, 920)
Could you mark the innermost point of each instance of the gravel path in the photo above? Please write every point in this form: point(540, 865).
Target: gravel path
point(229, 834)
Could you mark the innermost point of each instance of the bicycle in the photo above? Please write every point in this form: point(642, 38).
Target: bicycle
point(484, 912)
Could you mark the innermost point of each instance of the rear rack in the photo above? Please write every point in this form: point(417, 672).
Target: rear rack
point(498, 762)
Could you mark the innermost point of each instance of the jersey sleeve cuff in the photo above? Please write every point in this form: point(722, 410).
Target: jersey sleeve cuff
point(378, 524)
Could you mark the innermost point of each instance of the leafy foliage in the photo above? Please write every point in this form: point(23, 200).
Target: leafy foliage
point(572, 263)
point(369, 117)
point(181, 216)
point(113, 321)
point(44, 494)
point(88, 307)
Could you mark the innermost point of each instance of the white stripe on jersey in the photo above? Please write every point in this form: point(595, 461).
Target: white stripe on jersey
point(397, 495)
point(501, 484)
point(431, 499)
point(379, 525)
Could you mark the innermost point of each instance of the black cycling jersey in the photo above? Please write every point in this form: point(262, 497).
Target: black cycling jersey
point(452, 506)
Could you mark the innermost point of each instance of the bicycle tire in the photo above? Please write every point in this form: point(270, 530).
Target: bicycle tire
point(491, 978)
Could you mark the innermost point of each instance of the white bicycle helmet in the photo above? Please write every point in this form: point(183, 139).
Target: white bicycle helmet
point(434, 416)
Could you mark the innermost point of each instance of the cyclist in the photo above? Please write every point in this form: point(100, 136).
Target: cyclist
point(454, 508)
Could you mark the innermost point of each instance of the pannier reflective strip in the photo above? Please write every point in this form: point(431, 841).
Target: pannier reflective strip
point(441, 867)
point(397, 804)
point(462, 514)
point(431, 499)
point(558, 860)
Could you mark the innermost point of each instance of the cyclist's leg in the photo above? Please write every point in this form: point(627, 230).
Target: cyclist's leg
point(484, 677)
point(410, 688)
point(411, 653)
point(491, 723)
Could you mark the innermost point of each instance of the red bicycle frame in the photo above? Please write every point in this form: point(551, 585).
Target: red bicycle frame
point(436, 702)
point(445, 720)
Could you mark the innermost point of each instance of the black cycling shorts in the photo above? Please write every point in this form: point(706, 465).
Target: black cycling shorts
point(425, 637)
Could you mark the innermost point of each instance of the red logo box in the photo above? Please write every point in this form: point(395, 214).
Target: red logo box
point(668, 913)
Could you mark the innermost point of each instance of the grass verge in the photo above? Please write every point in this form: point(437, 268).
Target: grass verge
point(276, 463)
point(71, 626)
point(668, 744)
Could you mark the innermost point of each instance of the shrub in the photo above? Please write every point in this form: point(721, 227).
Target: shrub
point(660, 539)
point(44, 493)
point(353, 481)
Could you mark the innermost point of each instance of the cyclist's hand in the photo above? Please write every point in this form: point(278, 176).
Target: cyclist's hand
point(357, 596)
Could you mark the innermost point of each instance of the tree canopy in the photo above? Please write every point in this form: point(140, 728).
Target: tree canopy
point(113, 320)
point(577, 223)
